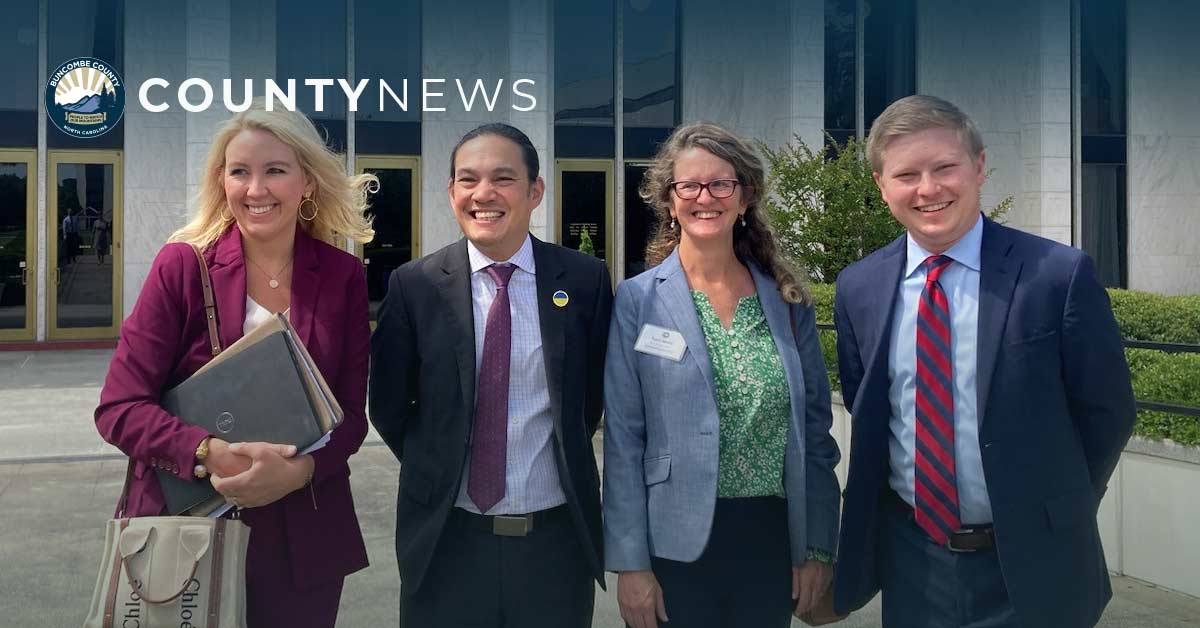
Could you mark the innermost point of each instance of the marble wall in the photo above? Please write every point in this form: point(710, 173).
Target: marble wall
point(156, 144)
point(1164, 147)
point(753, 72)
point(165, 151)
point(491, 41)
point(1007, 65)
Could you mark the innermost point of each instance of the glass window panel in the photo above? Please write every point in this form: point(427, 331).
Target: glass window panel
point(889, 61)
point(83, 230)
point(387, 47)
point(583, 207)
point(86, 28)
point(651, 74)
point(19, 49)
point(391, 208)
point(639, 221)
point(1102, 67)
point(584, 79)
point(14, 205)
point(311, 43)
point(1105, 221)
point(839, 67)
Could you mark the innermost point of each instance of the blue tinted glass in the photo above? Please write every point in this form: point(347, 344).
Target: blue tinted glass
point(651, 74)
point(584, 82)
point(86, 28)
point(19, 49)
point(1102, 67)
point(839, 66)
point(387, 47)
point(310, 42)
point(889, 62)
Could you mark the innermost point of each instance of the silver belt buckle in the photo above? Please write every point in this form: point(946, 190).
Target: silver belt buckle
point(509, 525)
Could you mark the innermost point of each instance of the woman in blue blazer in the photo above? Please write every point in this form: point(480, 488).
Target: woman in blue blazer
point(720, 499)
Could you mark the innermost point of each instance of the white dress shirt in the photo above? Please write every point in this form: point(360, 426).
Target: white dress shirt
point(532, 481)
point(960, 281)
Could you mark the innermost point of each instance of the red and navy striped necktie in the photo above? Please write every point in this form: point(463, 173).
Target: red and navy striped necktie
point(935, 506)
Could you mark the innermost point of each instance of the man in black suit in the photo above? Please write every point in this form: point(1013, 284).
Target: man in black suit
point(486, 382)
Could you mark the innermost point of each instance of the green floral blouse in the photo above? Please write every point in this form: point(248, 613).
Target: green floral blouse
point(752, 399)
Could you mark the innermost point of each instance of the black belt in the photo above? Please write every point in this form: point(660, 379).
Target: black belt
point(508, 525)
point(968, 538)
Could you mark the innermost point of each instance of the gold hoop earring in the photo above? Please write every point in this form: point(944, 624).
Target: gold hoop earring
point(300, 209)
point(226, 217)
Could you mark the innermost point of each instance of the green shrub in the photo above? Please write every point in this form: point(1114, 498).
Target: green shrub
point(1157, 317)
point(585, 242)
point(1157, 376)
point(822, 296)
point(1166, 378)
point(825, 207)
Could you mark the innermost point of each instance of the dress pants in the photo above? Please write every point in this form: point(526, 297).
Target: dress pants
point(272, 598)
point(928, 586)
point(478, 579)
point(744, 576)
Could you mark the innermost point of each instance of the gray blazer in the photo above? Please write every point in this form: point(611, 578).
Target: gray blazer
point(661, 427)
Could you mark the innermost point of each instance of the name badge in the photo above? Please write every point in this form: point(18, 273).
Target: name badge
point(662, 342)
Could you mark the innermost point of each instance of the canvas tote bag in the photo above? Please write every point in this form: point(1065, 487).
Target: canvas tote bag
point(183, 572)
point(171, 571)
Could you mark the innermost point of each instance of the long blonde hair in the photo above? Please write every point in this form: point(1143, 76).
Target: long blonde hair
point(753, 242)
point(341, 199)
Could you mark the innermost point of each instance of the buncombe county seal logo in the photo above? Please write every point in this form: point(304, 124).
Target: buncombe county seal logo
point(85, 97)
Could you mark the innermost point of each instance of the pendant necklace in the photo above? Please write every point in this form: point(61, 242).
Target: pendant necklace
point(272, 281)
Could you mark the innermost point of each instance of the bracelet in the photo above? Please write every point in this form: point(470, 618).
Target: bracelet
point(201, 454)
point(819, 555)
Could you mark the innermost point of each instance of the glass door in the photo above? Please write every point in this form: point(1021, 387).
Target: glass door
point(583, 203)
point(396, 210)
point(18, 244)
point(640, 219)
point(84, 261)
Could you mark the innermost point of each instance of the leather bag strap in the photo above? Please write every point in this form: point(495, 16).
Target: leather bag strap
point(210, 304)
point(137, 586)
point(114, 576)
point(214, 581)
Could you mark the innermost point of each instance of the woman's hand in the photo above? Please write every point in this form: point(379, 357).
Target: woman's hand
point(273, 473)
point(223, 462)
point(640, 598)
point(809, 583)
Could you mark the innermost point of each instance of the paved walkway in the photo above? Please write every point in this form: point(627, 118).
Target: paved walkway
point(58, 484)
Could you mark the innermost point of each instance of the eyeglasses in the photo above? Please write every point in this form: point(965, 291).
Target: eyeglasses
point(717, 188)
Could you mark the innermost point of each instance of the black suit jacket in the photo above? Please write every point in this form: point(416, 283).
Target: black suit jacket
point(422, 388)
point(1055, 410)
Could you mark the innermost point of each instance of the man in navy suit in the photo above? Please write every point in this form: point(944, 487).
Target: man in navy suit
point(990, 398)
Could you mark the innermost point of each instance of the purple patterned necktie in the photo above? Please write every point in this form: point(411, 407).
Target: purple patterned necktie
point(489, 446)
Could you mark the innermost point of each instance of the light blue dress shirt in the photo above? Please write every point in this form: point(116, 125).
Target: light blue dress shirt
point(960, 281)
point(531, 483)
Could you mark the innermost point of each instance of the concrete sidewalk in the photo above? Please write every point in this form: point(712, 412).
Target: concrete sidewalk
point(59, 482)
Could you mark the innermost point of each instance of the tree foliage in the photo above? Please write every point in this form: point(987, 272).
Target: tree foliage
point(825, 207)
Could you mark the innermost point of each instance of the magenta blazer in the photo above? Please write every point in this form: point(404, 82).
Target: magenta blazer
point(165, 340)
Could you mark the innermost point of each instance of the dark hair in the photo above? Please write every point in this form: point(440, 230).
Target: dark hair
point(753, 239)
point(509, 132)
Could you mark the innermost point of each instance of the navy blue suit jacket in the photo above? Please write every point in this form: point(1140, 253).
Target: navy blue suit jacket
point(1056, 408)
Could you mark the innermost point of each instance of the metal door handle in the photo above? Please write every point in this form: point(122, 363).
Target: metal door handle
point(24, 271)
